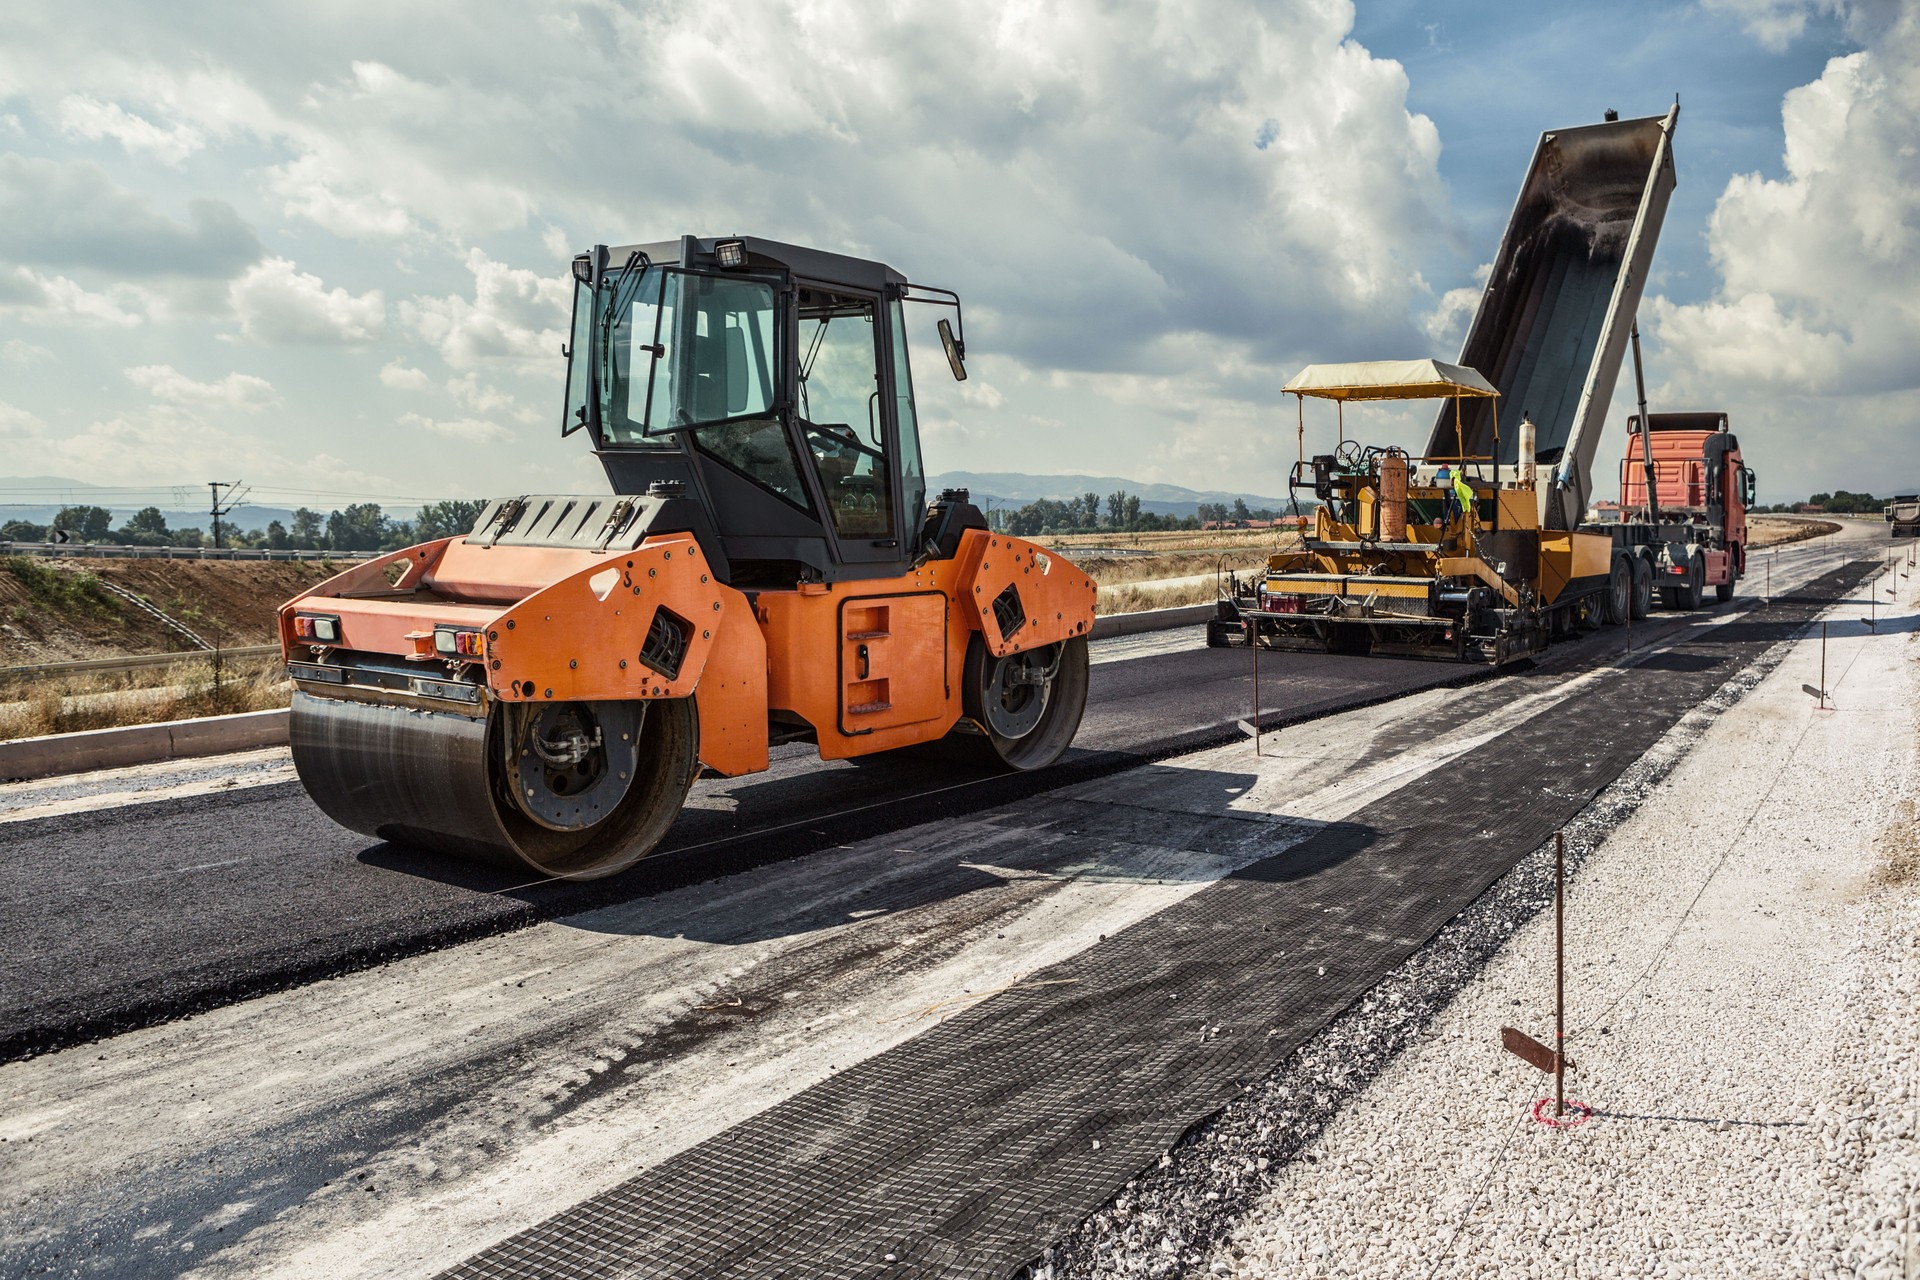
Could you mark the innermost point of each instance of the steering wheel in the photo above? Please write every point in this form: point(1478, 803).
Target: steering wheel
point(1351, 454)
point(841, 435)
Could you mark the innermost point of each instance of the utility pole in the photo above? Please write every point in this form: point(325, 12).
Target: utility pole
point(219, 509)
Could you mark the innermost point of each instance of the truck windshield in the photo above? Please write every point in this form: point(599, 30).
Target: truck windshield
point(668, 350)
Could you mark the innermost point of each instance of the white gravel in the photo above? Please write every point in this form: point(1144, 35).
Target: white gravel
point(1743, 963)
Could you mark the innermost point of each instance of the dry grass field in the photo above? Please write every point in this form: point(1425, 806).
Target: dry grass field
point(107, 700)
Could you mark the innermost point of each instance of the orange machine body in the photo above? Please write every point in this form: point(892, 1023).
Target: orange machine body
point(865, 665)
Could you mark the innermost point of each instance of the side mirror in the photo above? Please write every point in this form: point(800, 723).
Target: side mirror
point(956, 353)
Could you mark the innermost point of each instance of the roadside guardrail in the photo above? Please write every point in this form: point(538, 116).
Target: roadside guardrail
point(136, 662)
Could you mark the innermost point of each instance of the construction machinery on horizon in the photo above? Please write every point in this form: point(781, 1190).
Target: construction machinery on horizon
point(1903, 515)
point(542, 691)
point(1481, 548)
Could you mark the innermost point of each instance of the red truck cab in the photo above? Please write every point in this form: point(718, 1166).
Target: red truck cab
point(1699, 480)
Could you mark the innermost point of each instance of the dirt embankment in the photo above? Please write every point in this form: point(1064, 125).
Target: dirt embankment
point(1778, 531)
point(59, 611)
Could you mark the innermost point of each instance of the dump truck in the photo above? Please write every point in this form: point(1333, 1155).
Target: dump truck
point(1479, 549)
point(1903, 515)
point(767, 569)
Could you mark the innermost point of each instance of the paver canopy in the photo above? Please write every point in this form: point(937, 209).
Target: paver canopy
point(1389, 380)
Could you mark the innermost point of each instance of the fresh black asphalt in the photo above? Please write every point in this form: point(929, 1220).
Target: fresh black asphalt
point(131, 915)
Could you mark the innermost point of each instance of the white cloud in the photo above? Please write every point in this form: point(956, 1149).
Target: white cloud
point(1816, 267)
point(402, 378)
point(235, 391)
point(17, 424)
point(83, 116)
point(1816, 317)
point(1446, 324)
point(160, 444)
point(513, 315)
point(469, 429)
point(310, 188)
point(982, 394)
point(471, 395)
point(56, 299)
point(279, 304)
point(397, 154)
point(18, 354)
point(74, 215)
point(1109, 185)
point(1775, 23)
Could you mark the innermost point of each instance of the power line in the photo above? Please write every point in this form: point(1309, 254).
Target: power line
point(176, 495)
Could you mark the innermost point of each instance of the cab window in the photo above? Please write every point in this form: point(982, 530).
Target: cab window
point(840, 411)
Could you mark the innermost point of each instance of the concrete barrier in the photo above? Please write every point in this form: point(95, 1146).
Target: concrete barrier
point(1131, 624)
point(141, 744)
point(216, 735)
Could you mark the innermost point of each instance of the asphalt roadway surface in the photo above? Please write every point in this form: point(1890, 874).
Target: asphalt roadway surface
point(137, 914)
point(129, 915)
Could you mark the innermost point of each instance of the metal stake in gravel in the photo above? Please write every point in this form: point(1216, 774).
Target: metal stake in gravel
point(1524, 1046)
point(1821, 692)
point(1251, 727)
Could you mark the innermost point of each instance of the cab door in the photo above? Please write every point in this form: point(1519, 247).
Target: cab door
point(893, 661)
point(847, 421)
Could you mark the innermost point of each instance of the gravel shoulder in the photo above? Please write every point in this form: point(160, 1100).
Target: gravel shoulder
point(1743, 970)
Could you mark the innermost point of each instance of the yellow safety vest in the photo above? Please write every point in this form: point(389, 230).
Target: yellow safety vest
point(1463, 491)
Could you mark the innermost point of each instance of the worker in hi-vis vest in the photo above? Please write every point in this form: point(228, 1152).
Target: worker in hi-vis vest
point(1462, 491)
point(1449, 495)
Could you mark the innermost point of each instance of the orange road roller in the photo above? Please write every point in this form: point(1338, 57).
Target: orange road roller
point(767, 569)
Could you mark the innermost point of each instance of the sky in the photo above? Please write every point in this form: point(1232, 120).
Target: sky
point(323, 249)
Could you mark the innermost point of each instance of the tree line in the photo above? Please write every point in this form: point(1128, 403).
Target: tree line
point(1839, 502)
point(361, 526)
point(1117, 513)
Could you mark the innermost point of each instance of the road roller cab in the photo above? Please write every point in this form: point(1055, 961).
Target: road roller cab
point(768, 569)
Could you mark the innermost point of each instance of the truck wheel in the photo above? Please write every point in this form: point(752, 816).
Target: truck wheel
point(1723, 592)
point(1619, 598)
point(1693, 595)
point(1642, 586)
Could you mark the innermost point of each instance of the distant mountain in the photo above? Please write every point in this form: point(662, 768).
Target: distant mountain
point(1012, 488)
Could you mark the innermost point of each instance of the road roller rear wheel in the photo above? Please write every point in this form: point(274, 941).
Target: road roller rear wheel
point(573, 791)
point(1029, 704)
